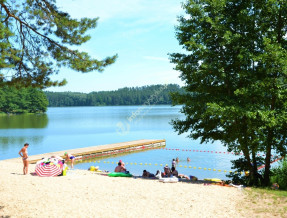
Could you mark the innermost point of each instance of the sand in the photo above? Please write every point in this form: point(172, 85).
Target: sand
point(87, 194)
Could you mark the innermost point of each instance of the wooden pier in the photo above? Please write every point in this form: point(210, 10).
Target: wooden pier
point(103, 150)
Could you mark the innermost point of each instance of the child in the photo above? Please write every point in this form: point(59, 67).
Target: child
point(70, 157)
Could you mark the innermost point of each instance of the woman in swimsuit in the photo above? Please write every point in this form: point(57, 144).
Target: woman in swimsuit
point(70, 157)
point(24, 154)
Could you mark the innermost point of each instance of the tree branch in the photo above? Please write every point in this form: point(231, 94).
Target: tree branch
point(35, 31)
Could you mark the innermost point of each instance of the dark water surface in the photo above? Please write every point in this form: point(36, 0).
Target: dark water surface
point(76, 127)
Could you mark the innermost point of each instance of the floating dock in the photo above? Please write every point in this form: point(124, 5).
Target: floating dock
point(103, 150)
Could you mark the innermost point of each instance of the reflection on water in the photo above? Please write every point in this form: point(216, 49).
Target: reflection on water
point(23, 121)
point(7, 141)
point(15, 130)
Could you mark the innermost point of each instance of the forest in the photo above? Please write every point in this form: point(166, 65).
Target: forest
point(34, 100)
point(24, 100)
point(145, 95)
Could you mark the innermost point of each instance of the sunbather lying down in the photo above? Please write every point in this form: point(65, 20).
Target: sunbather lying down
point(175, 173)
point(147, 174)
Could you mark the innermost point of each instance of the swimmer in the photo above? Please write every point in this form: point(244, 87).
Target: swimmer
point(173, 163)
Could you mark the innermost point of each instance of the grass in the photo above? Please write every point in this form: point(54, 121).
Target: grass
point(262, 202)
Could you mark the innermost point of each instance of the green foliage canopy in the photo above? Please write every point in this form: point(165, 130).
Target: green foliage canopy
point(36, 39)
point(235, 69)
point(24, 100)
point(279, 174)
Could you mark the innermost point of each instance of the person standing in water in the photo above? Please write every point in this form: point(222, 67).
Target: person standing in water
point(24, 154)
point(173, 163)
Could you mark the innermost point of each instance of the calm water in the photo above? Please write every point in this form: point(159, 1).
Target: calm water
point(75, 127)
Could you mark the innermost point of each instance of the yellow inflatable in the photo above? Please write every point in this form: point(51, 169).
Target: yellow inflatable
point(92, 168)
point(213, 180)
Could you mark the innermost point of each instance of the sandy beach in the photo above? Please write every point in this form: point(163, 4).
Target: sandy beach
point(88, 194)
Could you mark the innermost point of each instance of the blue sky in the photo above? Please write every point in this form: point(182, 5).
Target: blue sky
point(141, 32)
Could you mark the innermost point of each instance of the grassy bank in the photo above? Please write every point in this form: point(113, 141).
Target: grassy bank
point(265, 202)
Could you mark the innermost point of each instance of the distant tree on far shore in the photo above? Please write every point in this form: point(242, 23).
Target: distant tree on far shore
point(153, 94)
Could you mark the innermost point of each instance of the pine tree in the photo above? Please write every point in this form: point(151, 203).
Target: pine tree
point(36, 39)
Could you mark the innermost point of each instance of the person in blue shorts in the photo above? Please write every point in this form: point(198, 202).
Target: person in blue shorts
point(69, 157)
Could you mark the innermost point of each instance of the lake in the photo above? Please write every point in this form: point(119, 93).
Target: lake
point(66, 128)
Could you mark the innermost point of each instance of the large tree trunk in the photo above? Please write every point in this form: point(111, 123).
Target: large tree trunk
point(268, 159)
point(254, 169)
point(251, 162)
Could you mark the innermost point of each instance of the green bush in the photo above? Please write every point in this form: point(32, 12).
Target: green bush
point(241, 165)
point(279, 175)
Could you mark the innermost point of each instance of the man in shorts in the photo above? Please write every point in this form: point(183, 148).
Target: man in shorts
point(24, 154)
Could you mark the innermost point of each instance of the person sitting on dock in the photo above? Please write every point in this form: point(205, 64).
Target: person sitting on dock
point(69, 157)
point(120, 168)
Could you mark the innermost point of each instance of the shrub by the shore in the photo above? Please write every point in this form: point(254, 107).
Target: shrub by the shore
point(279, 175)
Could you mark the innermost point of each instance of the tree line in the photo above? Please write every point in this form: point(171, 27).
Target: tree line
point(153, 94)
point(24, 100)
point(34, 100)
